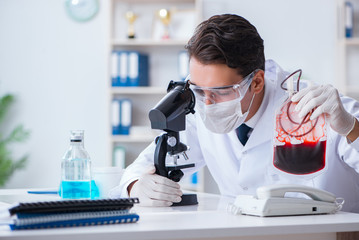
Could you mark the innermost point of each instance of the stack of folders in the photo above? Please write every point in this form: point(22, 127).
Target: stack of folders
point(121, 116)
point(72, 213)
point(129, 69)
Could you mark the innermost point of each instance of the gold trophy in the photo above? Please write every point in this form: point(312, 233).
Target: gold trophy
point(165, 17)
point(131, 18)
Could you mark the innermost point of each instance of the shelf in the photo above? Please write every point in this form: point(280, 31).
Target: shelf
point(156, 1)
point(139, 90)
point(148, 42)
point(138, 134)
point(351, 41)
point(133, 139)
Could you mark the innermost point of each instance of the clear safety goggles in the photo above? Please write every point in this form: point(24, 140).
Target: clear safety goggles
point(222, 94)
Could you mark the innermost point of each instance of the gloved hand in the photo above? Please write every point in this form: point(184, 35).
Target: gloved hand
point(325, 99)
point(156, 191)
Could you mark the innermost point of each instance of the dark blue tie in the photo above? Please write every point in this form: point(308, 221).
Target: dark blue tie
point(242, 133)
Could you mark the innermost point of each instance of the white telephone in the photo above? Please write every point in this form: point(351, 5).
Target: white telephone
point(271, 201)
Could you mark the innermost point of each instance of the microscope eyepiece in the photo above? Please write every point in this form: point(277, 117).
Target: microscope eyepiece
point(169, 113)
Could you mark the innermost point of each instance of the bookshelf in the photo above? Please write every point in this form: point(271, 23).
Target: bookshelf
point(163, 63)
point(348, 52)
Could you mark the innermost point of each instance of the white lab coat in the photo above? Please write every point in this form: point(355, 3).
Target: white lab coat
point(239, 169)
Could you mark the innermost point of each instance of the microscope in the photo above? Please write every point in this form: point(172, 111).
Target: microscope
point(169, 115)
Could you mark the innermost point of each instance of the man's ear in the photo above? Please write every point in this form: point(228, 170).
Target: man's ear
point(257, 84)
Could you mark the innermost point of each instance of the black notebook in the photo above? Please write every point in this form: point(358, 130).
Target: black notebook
point(71, 213)
point(74, 206)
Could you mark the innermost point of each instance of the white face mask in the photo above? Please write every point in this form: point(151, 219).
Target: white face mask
point(222, 117)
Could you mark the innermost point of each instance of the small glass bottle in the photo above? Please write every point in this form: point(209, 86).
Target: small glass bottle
point(76, 169)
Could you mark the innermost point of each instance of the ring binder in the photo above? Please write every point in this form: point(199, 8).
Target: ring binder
point(74, 206)
point(72, 213)
point(73, 219)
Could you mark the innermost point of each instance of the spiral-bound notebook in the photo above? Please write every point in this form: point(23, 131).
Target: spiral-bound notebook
point(72, 213)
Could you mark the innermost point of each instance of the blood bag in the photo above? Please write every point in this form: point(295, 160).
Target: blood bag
point(299, 143)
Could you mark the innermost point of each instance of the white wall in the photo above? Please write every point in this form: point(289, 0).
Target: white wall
point(57, 68)
point(297, 34)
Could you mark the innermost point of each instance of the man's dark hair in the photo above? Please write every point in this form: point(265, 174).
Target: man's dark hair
point(228, 39)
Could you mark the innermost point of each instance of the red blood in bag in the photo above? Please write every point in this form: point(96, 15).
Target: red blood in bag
point(304, 158)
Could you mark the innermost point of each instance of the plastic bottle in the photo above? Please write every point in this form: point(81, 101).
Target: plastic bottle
point(76, 169)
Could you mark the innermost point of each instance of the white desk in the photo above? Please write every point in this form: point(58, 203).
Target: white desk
point(208, 220)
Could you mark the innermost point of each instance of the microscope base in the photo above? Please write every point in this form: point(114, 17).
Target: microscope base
point(187, 199)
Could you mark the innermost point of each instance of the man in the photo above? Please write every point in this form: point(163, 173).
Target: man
point(233, 85)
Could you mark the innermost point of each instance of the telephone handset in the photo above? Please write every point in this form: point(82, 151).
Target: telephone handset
point(271, 201)
point(281, 190)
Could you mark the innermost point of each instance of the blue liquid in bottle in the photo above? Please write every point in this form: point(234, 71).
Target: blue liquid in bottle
point(95, 193)
point(76, 170)
point(76, 189)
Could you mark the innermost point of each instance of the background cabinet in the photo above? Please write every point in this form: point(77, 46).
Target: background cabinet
point(348, 51)
point(163, 62)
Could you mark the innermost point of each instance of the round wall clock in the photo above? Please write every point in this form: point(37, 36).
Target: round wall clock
point(82, 10)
